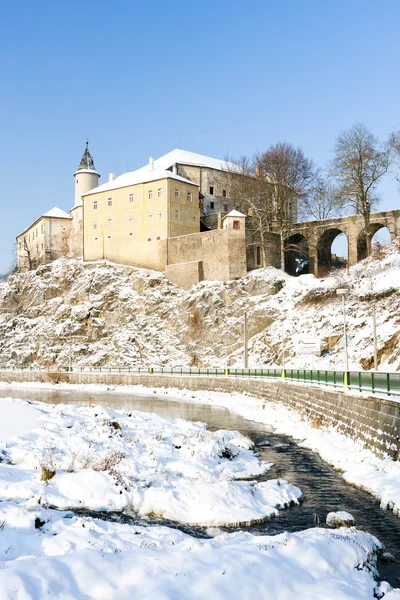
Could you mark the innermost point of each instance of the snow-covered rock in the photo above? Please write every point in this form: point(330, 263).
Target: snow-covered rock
point(114, 315)
point(340, 518)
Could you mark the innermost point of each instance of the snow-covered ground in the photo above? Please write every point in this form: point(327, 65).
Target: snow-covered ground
point(359, 466)
point(103, 314)
point(107, 459)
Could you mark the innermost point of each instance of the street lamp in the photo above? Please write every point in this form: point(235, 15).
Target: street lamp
point(246, 352)
point(344, 292)
point(374, 336)
point(282, 320)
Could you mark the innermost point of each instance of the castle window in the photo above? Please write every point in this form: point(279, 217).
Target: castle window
point(95, 205)
point(150, 215)
point(211, 190)
point(150, 194)
point(159, 192)
point(149, 239)
point(159, 215)
point(94, 224)
point(236, 225)
point(194, 219)
point(109, 202)
point(76, 182)
point(189, 197)
point(177, 194)
point(258, 255)
point(41, 228)
point(224, 193)
point(130, 219)
point(158, 238)
point(110, 222)
point(130, 197)
point(176, 214)
point(212, 205)
point(225, 208)
point(37, 231)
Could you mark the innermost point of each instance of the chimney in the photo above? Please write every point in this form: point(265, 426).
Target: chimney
point(111, 177)
point(175, 169)
point(151, 163)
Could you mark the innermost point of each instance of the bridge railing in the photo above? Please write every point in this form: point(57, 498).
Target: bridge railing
point(386, 383)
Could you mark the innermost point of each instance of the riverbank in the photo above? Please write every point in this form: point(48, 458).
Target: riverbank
point(359, 466)
point(47, 552)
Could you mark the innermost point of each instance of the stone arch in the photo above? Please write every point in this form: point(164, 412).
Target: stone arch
point(362, 242)
point(296, 247)
point(324, 251)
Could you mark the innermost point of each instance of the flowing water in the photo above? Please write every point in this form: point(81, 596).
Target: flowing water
point(324, 490)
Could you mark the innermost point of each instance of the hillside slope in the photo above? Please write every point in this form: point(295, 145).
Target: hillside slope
point(107, 314)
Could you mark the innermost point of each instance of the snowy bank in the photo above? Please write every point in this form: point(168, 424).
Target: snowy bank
point(108, 460)
point(71, 557)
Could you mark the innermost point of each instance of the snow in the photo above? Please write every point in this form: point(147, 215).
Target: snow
point(47, 553)
point(72, 557)
point(359, 466)
point(184, 157)
point(16, 417)
point(57, 213)
point(234, 213)
point(108, 460)
point(142, 175)
point(126, 316)
point(339, 518)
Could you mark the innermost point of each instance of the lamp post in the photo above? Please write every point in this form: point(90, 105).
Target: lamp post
point(246, 352)
point(344, 292)
point(374, 336)
point(282, 320)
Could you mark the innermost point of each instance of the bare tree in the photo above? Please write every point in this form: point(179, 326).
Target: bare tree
point(27, 248)
point(358, 164)
point(394, 144)
point(249, 192)
point(323, 202)
point(290, 176)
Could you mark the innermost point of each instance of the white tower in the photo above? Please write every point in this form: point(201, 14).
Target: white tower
point(86, 177)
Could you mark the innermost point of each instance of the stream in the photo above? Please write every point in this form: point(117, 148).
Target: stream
point(323, 488)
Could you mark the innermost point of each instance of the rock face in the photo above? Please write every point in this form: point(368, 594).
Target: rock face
point(103, 314)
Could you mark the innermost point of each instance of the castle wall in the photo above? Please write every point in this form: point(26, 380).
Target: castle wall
point(222, 252)
point(75, 240)
point(185, 274)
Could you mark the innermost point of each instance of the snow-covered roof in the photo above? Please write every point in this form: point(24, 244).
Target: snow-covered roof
point(184, 157)
point(143, 175)
point(160, 170)
point(234, 213)
point(56, 212)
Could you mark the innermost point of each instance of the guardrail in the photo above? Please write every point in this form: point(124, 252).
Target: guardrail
point(375, 382)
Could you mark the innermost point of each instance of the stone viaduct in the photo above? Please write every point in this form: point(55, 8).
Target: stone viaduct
point(316, 238)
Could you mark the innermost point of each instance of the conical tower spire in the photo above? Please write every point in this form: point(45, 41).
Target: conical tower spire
point(87, 162)
point(86, 177)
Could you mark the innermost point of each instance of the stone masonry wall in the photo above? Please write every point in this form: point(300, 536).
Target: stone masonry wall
point(375, 422)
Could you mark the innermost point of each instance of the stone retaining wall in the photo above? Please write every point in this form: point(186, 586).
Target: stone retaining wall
point(373, 421)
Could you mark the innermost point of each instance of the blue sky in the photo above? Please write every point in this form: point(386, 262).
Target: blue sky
point(221, 77)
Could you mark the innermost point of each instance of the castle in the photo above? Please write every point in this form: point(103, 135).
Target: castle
point(175, 215)
point(172, 215)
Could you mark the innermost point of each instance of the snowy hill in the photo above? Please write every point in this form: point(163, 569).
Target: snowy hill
point(108, 314)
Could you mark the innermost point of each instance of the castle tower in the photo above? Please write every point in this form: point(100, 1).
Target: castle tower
point(86, 177)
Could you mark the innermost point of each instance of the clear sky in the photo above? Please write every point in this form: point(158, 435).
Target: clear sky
point(215, 77)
